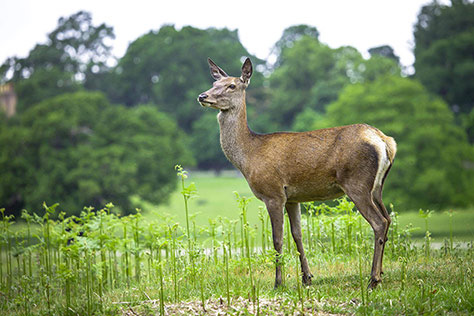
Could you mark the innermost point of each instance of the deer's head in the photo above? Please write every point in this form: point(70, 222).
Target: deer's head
point(227, 92)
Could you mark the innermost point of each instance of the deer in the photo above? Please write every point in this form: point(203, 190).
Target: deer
point(284, 169)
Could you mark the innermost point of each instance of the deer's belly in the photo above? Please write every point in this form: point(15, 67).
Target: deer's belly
point(313, 192)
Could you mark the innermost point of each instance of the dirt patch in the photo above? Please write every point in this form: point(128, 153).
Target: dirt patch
point(239, 306)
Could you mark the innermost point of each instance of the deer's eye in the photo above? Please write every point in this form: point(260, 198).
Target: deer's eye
point(232, 86)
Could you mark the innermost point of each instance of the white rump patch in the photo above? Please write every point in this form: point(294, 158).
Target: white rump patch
point(372, 138)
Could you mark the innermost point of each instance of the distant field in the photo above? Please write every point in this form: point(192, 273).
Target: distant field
point(438, 224)
point(215, 198)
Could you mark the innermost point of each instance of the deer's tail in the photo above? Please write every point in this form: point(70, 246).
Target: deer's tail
point(391, 147)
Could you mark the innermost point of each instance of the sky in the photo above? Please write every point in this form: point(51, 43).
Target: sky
point(362, 24)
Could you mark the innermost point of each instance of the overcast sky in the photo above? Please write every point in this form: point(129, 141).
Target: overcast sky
point(362, 24)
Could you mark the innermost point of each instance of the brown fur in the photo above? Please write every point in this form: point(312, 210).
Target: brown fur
point(286, 168)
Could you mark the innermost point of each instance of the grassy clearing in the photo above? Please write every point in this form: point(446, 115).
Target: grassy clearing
point(104, 264)
point(439, 224)
point(215, 198)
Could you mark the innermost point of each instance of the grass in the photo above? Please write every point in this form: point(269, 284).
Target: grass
point(157, 264)
point(215, 198)
point(462, 221)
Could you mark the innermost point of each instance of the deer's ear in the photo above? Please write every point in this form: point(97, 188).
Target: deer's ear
point(246, 71)
point(216, 72)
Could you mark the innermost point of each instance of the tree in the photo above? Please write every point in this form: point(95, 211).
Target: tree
point(384, 51)
point(433, 166)
point(75, 52)
point(44, 84)
point(467, 121)
point(73, 47)
point(78, 150)
point(444, 42)
point(291, 35)
point(378, 66)
point(169, 68)
point(132, 152)
point(312, 75)
point(296, 82)
point(205, 143)
point(306, 120)
point(16, 165)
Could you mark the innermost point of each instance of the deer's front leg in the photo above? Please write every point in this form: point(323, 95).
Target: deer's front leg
point(294, 215)
point(275, 210)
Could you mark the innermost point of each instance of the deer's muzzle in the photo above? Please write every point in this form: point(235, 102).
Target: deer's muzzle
point(202, 97)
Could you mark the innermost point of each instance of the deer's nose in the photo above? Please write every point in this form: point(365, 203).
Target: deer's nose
point(202, 97)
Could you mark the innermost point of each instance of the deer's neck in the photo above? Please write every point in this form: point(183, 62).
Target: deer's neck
point(236, 138)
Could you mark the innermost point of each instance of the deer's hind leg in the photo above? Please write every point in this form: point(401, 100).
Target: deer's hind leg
point(360, 182)
point(377, 198)
point(379, 224)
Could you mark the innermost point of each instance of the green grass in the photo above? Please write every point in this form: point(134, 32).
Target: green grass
point(463, 224)
point(149, 264)
point(215, 198)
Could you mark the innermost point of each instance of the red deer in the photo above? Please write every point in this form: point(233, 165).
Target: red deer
point(284, 169)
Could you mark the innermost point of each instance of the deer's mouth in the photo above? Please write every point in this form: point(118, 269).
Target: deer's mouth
point(210, 104)
point(206, 103)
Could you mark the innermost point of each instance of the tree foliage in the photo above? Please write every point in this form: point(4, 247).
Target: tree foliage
point(444, 46)
point(291, 35)
point(75, 46)
point(205, 143)
point(77, 149)
point(312, 74)
point(305, 64)
point(433, 166)
point(169, 68)
point(75, 51)
point(384, 51)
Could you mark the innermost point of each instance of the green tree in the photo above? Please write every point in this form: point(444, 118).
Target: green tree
point(306, 64)
point(74, 52)
point(78, 150)
point(307, 120)
point(169, 68)
point(433, 166)
point(384, 51)
point(467, 121)
point(16, 165)
point(75, 46)
point(444, 46)
point(206, 145)
point(312, 75)
point(378, 66)
point(44, 84)
point(132, 152)
point(291, 35)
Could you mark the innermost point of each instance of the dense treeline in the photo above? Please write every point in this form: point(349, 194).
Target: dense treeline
point(88, 131)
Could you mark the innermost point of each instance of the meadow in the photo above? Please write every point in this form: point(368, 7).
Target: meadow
point(215, 197)
point(209, 252)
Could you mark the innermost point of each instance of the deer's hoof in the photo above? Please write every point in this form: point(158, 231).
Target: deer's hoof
point(307, 279)
point(373, 282)
point(277, 284)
